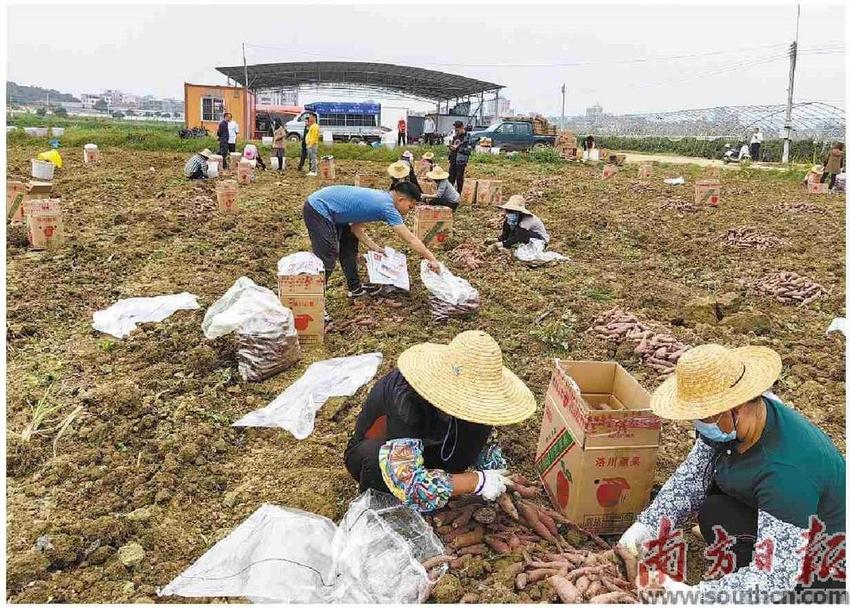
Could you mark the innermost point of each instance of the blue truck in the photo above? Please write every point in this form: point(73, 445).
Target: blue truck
point(347, 121)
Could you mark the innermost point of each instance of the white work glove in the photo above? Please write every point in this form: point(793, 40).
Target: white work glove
point(492, 484)
point(633, 538)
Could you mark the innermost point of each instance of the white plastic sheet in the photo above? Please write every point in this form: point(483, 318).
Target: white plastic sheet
point(534, 253)
point(303, 262)
point(295, 408)
point(675, 181)
point(388, 268)
point(450, 296)
point(124, 316)
point(290, 556)
point(838, 324)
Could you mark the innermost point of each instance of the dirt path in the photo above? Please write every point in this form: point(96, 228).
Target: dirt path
point(152, 464)
point(639, 157)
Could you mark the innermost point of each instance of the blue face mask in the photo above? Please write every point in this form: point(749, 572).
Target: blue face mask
point(513, 218)
point(712, 432)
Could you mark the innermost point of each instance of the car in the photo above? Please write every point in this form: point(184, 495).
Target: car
point(512, 135)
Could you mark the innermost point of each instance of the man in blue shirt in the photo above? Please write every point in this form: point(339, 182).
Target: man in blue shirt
point(336, 217)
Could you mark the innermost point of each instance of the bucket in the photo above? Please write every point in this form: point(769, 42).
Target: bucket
point(327, 137)
point(41, 131)
point(91, 155)
point(267, 141)
point(225, 192)
point(42, 170)
point(275, 163)
point(57, 131)
point(31, 131)
point(212, 169)
point(235, 157)
point(245, 172)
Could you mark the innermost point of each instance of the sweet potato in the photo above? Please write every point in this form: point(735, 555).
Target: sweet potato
point(472, 537)
point(455, 532)
point(446, 516)
point(460, 563)
point(595, 588)
point(630, 561)
point(521, 480)
point(504, 501)
point(497, 545)
point(525, 491)
point(514, 542)
point(613, 597)
point(469, 598)
point(560, 565)
point(479, 549)
point(465, 516)
point(514, 569)
point(547, 521)
point(531, 515)
point(579, 572)
point(521, 581)
point(437, 560)
point(566, 590)
point(443, 530)
point(539, 574)
point(484, 515)
point(581, 583)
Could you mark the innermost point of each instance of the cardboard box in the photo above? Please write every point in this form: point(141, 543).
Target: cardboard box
point(244, 172)
point(608, 171)
point(309, 312)
point(225, 193)
point(433, 225)
point(41, 205)
point(44, 224)
point(707, 191)
point(712, 172)
point(428, 186)
point(16, 193)
point(597, 465)
point(364, 180)
point(37, 189)
point(305, 284)
point(327, 168)
point(604, 154)
point(489, 192)
point(645, 170)
point(569, 153)
point(469, 192)
point(818, 188)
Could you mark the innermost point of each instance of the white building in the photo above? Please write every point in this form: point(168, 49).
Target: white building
point(503, 108)
point(278, 97)
point(89, 99)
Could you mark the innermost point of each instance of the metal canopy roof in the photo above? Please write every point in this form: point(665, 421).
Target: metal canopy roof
point(406, 80)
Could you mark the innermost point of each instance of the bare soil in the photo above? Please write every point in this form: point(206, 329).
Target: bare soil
point(152, 459)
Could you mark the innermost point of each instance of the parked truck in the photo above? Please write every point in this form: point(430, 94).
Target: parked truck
point(347, 121)
point(512, 135)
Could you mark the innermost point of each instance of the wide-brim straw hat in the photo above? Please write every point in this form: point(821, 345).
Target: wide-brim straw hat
point(437, 173)
point(466, 379)
point(428, 156)
point(206, 152)
point(711, 379)
point(407, 154)
point(516, 203)
point(399, 169)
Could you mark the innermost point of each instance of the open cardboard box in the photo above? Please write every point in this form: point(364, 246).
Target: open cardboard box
point(597, 465)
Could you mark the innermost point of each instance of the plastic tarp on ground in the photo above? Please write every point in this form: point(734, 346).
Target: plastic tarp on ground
point(124, 316)
point(295, 408)
point(534, 253)
point(290, 556)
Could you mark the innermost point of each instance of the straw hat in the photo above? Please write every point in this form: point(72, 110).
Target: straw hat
point(399, 169)
point(407, 154)
point(711, 379)
point(516, 203)
point(428, 156)
point(466, 379)
point(206, 152)
point(437, 173)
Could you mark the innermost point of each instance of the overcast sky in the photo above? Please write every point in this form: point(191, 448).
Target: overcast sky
point(631, 57)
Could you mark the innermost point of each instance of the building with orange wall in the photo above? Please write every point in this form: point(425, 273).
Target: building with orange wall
point(206, 103)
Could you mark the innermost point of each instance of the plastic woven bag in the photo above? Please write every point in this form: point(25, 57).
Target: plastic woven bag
point(534, 253)
point(449, 296)
point(265, 329)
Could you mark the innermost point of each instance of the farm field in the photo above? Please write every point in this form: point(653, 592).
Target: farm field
point(151, 460)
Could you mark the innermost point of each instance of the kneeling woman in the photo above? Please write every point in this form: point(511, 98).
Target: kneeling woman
point(520, 225)
point(429, 421)
point(758, 472)
point(446, 195)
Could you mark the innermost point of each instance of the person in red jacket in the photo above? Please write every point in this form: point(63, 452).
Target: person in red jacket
point(402, 132)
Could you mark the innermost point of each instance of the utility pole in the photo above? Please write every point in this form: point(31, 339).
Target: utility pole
point(786, 148)
point(563, 102)
point(245, 65)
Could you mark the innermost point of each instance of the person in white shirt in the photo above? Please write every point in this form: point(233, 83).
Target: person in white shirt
point(429, 129)
point(755, 144)
point(233, 131)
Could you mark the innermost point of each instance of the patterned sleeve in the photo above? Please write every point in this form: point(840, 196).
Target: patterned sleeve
point(683, 494)
point(771, 572)
point(403, 469)
point(490, 458)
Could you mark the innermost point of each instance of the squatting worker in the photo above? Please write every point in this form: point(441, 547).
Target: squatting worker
point(399, 171)
point(279, 144)
point(519, 225)
point(196, 167)
point(430, 420)
point(336, 218)
point(446, 195)
point(759, 468)
point(407, 158)
point(459, 151)
point(312, 141)
point(223, 134)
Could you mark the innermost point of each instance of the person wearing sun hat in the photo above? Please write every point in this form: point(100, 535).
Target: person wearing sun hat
point(196, 167)
point(759, 469)
point(446, 195)
point(430, 420)
point(402, 171)
point(519, 226)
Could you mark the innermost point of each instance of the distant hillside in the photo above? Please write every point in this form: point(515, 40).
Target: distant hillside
point(16, 93)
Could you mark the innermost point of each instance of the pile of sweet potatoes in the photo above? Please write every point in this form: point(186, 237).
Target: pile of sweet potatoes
point(661, 352)
point(789, 287)
point(543, 549)
point(749, 237)
point(618, 326)
point(467, 255)
point(678, 204)
point(800, 208)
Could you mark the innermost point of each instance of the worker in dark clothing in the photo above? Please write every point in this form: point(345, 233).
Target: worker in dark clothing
point(429, 421)
point(223, 134)
point(303, 146)
point(459, 151)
